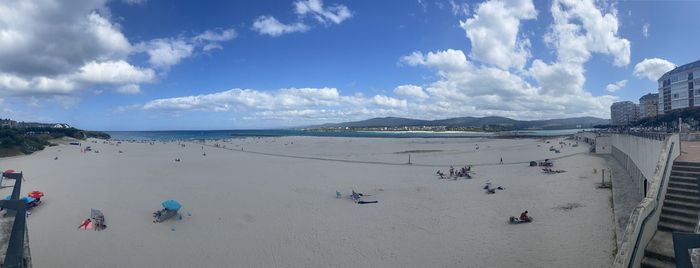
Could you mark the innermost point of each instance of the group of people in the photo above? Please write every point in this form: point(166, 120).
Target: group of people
point(463, 172)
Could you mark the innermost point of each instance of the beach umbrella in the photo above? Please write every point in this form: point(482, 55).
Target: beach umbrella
point(171, 204)
point(9, 171)
point(36, 194)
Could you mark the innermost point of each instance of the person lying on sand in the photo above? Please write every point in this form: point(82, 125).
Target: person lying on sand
point(357, 198)
point(442, 175)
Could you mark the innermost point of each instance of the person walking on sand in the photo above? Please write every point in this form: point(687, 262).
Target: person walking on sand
point(501, 161)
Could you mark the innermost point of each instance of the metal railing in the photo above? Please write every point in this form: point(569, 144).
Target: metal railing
point(650, 135)
point(14, 256)
point(656, 206)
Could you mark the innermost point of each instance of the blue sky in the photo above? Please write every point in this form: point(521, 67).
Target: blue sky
point(147, 64)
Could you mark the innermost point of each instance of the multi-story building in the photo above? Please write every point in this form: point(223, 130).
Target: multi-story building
point(623, 113)
point(648, 105)
point(677, 88)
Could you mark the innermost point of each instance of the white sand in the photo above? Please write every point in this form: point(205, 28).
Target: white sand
point(254, 210)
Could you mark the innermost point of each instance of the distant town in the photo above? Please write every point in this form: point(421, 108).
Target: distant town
point(14, 124)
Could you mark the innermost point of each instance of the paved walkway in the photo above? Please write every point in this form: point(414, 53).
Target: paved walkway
point(690, 151)
point(625, 196)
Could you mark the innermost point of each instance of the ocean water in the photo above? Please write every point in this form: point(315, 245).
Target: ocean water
point(228, 134)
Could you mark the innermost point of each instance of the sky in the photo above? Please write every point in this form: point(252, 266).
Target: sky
point(176, 65)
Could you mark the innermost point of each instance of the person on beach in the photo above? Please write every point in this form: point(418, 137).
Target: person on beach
point(452, 171)
point(501, 161)
point(85, 224)
point(524, 216)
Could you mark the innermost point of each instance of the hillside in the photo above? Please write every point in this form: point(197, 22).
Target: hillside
point(471, 122)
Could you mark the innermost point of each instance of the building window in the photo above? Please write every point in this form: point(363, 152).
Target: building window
point(690, 85)
point(675, 96)
point(690, 76)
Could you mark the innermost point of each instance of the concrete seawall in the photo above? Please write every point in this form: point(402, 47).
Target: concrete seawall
point(639, 156)
point(649, 163)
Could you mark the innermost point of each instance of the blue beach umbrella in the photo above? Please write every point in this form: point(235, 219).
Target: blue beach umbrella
point(27, 199)
point(171, 205)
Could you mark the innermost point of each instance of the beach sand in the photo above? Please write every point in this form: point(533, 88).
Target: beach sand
point(273, 204)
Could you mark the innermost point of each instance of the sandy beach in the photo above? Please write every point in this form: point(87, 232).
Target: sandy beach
point(270, 202)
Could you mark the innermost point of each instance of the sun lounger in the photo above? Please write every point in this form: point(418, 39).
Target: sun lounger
point(164, 214)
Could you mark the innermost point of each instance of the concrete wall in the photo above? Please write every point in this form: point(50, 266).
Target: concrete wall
point(603, 145)
point(653, 160)
point(639, 156)
point(587, 137)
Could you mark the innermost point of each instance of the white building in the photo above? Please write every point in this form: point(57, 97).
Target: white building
point(677, 88)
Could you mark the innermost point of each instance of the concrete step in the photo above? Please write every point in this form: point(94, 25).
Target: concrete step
point(683, 198)
point(686, 168)
point(670, 227)
point(685, 173)
point(691, 213)
point(681, 204)
point(685, 179)
point(660, 247)
point(683, 185)
point(686, 163)
point(649, 262)
point(680, 220)
point(682, 191)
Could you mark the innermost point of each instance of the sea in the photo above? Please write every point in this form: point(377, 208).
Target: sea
point(229, 134)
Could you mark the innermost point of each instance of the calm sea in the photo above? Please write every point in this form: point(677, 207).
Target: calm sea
point(227, 134)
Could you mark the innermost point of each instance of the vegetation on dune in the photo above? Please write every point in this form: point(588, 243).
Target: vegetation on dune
point(14, 141)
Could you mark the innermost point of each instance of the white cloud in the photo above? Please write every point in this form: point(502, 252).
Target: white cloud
point(55, 38)
point(616, 86)
point(382, 100)
point(459, 9)
point(300, 104)
point(211, 35)
point(211, 46)
point(645, 30)
point(254, 99)
point(580, 28)
point(62, 47)
point(129, 89)
point(163, 53)
point(653, 68)
point(268, 25)
point(493, 32)
point(411, 91)
point(115, 72)
point(335, 13)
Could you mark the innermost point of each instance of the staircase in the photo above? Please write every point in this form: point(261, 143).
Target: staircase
point(678, 214)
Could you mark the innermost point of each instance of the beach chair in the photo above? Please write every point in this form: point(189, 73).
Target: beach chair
point(98, 219)
point(165, 214)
